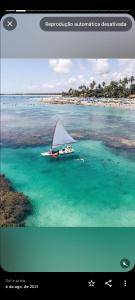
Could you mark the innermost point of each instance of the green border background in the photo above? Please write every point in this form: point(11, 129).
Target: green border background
point(66, 249)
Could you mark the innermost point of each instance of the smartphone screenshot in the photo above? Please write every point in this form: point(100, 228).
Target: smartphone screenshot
point(67, 150)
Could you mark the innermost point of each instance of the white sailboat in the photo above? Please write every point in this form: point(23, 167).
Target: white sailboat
point(60, 138)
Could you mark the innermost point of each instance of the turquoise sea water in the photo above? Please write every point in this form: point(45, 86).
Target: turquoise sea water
point(92, 187)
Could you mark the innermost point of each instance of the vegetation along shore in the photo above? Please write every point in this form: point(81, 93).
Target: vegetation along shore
point(116, 94)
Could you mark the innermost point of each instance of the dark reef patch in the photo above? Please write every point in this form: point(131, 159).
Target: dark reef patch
point(14, 206)
point(121, 143)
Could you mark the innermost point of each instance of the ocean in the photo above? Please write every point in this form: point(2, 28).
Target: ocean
point(92, 187)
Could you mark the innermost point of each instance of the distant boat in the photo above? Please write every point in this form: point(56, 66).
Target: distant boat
point(60, 138)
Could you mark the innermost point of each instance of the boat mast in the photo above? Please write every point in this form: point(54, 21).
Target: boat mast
point(53, 134)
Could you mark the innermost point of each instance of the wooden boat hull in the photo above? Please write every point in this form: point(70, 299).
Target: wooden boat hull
point(61, 153)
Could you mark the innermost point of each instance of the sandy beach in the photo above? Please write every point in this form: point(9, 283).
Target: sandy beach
point(128, 103)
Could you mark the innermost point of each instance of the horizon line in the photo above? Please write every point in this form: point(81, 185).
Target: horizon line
point(31, 93)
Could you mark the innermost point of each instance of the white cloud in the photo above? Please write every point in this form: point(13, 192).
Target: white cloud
point(127, 66)
point(71, 80)
point(74, 82)
point(98, 70)
point(51, 85)
point(80, 77)
point(60, 65)
point(103, 69)
point(101, 66)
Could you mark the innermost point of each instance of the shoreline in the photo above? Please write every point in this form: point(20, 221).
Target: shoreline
point(128, 102)
point(14, 206)
point(115, 102)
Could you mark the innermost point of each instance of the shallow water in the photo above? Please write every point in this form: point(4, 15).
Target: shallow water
point(93, 187)
point(26, 121)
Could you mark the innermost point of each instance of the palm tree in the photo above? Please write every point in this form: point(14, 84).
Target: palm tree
point(99, 86)
point(82, 87)
point(116, 89)
point(113, 88)
point(120, 81)
point(70, 91)
point(92, 85)
point(132, 79)
point(125, 81)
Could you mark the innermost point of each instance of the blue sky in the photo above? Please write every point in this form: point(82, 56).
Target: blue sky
point(56, 75)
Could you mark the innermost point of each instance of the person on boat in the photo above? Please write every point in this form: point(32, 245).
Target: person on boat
point(69, 148)
point(55, 154)
point(63, 150)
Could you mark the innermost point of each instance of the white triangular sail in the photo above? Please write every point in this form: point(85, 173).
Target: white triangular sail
point(60, 136)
